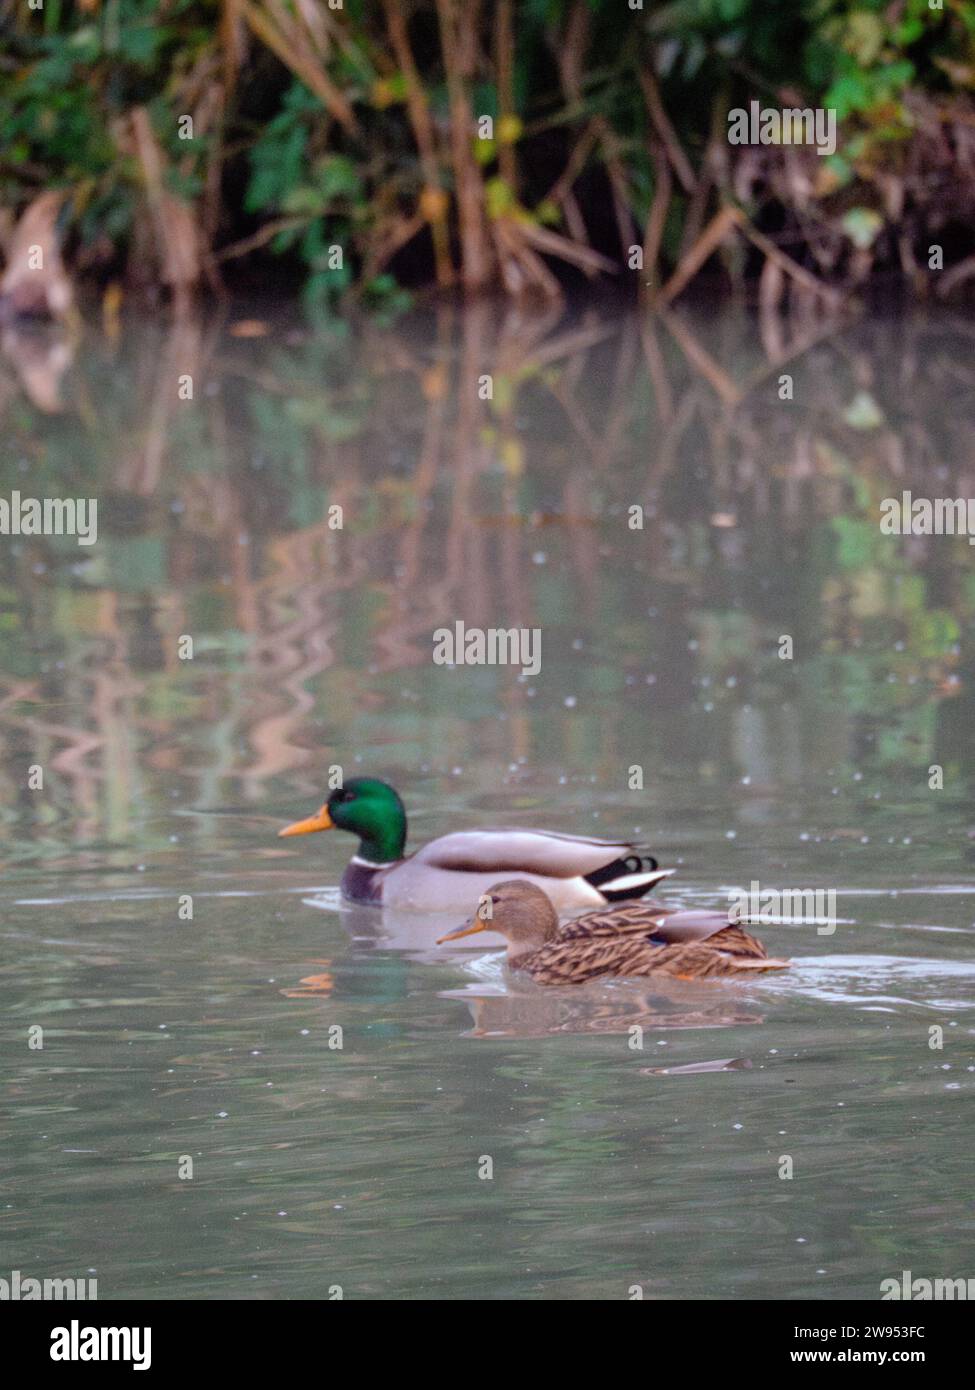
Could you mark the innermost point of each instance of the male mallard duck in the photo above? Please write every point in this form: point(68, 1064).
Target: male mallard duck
point(632, 939)
point(455, 869)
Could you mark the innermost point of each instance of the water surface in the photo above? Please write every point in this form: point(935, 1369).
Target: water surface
point(213, 1038)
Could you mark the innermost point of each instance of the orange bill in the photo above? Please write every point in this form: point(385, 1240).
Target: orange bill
point(321, 820)
point(468, 929)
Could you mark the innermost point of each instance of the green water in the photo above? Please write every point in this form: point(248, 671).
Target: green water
point(214, 1038)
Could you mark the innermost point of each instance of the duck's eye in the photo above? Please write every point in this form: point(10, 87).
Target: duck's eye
point(343, 795)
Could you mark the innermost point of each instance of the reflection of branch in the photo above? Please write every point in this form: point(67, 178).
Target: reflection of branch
point(620, 408)
point(292, 645)
point(181, 355)
point(40, 360)
point(663, 395)
point(441, 529)
point(590, 438)
point(788, 352)
point(110, 741)
point(569, 344)
point(666, 452)
point(702, 360)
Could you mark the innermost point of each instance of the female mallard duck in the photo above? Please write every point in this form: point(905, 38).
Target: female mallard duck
point(632, 939)
point(455, 869)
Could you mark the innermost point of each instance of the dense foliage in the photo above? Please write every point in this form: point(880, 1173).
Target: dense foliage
point(351, 141)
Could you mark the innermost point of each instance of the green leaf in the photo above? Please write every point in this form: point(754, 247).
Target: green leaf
point(862, 226)
point(863, 412)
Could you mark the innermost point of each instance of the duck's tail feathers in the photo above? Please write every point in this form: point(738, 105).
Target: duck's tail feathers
point(629, 877)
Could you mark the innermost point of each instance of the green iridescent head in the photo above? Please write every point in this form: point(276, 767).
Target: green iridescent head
point(366, 807)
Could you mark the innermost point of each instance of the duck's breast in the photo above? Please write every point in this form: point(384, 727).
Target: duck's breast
point(362, 882)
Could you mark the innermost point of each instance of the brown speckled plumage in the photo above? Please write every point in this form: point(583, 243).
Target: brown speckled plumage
point(576, 959)
point(634, 939)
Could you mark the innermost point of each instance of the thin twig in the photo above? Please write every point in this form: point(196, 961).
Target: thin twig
point(791, 267)
point(657, 220)
point(678, 159)
point(297, 56)
point(714, 234)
